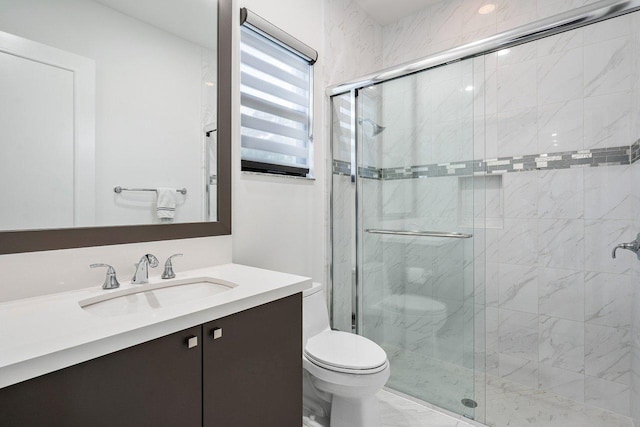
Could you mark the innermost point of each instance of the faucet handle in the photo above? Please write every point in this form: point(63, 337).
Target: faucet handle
point(168, 268)
point(152, 260)
point(110, 281)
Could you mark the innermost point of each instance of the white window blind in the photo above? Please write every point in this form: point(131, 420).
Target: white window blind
point(275, 106)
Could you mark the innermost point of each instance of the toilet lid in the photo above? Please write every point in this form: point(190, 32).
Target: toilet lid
point(414, 304)
point(343, 350)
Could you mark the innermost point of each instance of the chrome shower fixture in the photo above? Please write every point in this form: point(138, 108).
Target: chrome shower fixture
point(376, 129)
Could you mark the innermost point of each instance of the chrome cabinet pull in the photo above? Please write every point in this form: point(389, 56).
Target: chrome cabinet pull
point(192, 341)
point(216, 333)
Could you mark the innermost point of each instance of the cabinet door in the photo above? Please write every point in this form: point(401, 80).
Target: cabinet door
point(253, 372)
point(157, 383)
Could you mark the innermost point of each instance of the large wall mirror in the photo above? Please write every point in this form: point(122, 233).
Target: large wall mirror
point(110, 129)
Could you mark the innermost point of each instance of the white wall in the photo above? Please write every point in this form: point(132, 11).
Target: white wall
point(279, 223)
point(141, 72)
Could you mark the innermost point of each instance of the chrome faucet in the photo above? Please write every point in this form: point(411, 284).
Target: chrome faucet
point(141, 276)
point(631, 246)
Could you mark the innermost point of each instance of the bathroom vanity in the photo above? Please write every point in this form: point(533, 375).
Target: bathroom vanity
point(228, 359)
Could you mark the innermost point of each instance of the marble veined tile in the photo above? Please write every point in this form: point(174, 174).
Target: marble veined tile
point(607, 120)
point(561, 194)
point(518, 287)
point(607, 30)
point(562, 382)
point(608, 299)
point(608, 67)
point(561, 243)
point(520, 195)
point(562, 343)
point(608, 353)
point(517, 86)
point(608, 395)
point(518, 242)
point(518, 334)
point(607, 193)
point(560, 77)
point(561, 293)
point(560, 126)
point(518, 370)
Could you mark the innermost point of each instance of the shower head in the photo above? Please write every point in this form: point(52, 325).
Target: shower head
point(376, 129)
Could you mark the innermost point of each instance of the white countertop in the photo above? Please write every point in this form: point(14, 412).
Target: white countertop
point(43, 334)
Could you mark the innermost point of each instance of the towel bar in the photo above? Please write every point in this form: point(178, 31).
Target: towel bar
point(119, 189)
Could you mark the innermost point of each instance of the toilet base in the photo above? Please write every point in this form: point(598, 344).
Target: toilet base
point(362, 412)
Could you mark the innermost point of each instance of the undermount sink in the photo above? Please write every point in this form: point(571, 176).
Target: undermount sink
point(144, 298)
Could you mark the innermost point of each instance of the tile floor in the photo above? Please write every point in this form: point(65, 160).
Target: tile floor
point(396, 411)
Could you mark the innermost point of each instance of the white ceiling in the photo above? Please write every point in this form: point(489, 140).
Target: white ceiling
point(387, 11)
point(193, 20)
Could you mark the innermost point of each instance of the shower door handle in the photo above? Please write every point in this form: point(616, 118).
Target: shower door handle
point(631, 246)
point(446, 234)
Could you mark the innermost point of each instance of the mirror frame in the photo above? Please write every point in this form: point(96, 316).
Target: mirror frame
point(67, 238)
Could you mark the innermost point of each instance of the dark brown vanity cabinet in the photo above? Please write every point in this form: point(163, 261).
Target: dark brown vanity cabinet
point(251, 376)
point(157, 383)
point(253, 370)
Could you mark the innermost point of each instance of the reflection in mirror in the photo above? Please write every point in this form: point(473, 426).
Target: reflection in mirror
point(101, 94)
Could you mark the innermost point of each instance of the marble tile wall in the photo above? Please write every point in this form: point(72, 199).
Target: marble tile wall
point(353, 41)
point(450, 23)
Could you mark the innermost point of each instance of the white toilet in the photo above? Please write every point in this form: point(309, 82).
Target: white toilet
point(342, 371)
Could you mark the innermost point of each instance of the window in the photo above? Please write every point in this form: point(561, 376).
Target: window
point(276, 99)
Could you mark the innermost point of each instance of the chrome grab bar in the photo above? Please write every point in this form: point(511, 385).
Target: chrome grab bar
point(447, 234)
point(119, 189)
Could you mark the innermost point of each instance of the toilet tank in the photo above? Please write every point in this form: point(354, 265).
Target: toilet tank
point(315, 316)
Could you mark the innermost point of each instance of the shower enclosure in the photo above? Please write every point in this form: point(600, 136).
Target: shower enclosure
point(476, 198)
point(413, 228)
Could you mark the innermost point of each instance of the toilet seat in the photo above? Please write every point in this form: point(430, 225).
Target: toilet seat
point(344, 352)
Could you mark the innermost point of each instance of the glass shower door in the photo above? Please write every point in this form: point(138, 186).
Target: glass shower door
point(416, 195)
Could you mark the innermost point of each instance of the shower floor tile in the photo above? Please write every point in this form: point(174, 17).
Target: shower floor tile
point(431, 380)
point(508, 404)
point(396, 411)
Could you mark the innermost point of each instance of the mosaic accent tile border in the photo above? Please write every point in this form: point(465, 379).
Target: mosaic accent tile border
point(635, 152)
point(613, 156)
point(369, 172)
point(340, 167)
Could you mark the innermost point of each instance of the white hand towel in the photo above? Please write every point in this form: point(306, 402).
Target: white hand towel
point(166, 205)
